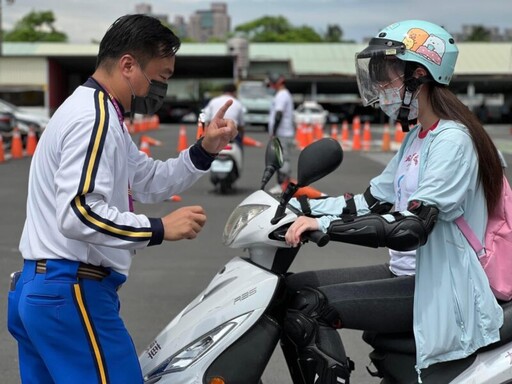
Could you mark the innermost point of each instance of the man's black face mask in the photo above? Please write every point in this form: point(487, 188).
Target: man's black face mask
point(152, 102)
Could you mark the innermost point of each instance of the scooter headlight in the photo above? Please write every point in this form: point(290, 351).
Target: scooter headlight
point(239, 219)
point(193, 352)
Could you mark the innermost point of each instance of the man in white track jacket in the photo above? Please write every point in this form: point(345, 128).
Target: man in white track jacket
point(81, 232)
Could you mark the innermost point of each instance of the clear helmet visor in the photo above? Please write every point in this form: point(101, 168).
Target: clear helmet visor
point(377, 68)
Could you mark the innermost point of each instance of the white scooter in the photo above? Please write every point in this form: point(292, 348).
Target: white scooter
point(228, 333)
point(227, 166)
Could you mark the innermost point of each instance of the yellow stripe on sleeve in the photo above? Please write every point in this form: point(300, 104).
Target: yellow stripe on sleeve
point(97, 140)
point(107, 227)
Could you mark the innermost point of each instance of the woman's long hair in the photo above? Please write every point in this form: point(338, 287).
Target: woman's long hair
point(490, 171)
point(448, 107)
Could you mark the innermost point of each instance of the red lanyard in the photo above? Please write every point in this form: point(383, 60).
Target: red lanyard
point(118, 109)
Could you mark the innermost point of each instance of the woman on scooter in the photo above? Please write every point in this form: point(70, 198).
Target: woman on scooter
point(446, 167)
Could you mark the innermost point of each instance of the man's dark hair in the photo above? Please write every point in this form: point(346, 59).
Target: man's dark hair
point(144, 37)
point(275, 77)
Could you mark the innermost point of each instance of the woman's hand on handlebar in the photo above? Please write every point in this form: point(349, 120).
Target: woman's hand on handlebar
point(301, 225)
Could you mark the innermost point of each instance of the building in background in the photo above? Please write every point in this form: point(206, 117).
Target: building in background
point(146, 9)
point(203, 25)
point(211, 23)
point(179, 26)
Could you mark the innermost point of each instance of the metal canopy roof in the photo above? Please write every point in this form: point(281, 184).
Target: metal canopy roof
point(306, 59)
point(330, 66)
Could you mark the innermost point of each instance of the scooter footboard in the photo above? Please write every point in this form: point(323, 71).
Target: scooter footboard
point(245, 360)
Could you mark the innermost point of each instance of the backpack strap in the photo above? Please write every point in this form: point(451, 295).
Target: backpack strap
point(470, 236)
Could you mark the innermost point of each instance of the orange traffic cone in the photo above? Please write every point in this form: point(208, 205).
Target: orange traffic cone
point(150, 140)
point(146, 142)
point(200, 130)
point(250, 142)
point(2, 154)
point(399, 134)
point(140, 127)
point(356, 127)
point(144, 147)
point(16, 144)
point(344, 132)
point(182, 139)
point(367, 136)
point(309, 134)
point(386, 139)
point(300, 136)
point(31, 142)
point(334, 132)
point(176, 198)
point(145, 123)
point(153, 122)
point(318, 131)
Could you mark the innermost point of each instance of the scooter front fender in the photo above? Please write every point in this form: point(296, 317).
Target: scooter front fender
point(239, 290)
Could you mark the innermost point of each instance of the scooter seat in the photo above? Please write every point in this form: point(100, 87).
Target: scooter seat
point(404, 342)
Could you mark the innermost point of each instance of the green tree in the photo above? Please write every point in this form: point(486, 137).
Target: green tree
point(479, 33)
point(36, 26)
point(334, 33)
point(277, 29)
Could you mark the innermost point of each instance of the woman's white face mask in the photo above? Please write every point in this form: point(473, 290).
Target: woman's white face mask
point(390, 101)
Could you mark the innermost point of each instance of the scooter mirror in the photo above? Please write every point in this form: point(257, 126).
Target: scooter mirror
point(274, 153)
point(315, 161)
point(273, 160)
point(318, 160)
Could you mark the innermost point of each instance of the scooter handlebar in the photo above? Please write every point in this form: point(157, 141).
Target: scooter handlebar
point(317, 237)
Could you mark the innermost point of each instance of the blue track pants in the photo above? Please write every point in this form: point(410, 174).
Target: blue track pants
point(69, 329)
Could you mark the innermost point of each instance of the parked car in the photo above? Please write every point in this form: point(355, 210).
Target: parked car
point(7, 122)
point(310, 112)
point(257, 100)
point(24, 119)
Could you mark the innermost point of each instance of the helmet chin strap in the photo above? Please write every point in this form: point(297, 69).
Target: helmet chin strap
point(403, 112)
point(411, 86)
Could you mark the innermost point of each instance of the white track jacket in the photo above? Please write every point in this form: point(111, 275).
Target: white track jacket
point(81, 172)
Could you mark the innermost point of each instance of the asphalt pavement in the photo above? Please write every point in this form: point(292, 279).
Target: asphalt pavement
point(164, 278)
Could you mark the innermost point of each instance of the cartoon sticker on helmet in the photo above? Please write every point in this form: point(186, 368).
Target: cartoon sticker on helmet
point(427, 45)
point(415, 38)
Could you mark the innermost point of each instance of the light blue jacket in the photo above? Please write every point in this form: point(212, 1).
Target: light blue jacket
point(455, 312)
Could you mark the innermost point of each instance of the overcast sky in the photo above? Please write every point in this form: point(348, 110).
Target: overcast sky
point(84, 20)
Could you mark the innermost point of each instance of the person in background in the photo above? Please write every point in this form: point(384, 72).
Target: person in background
point(447, 167)
point(81, 231)
point(281, 125)
point(235, 111)
point(482, 112)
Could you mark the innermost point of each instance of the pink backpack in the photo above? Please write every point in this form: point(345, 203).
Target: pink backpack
point(496, 257)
